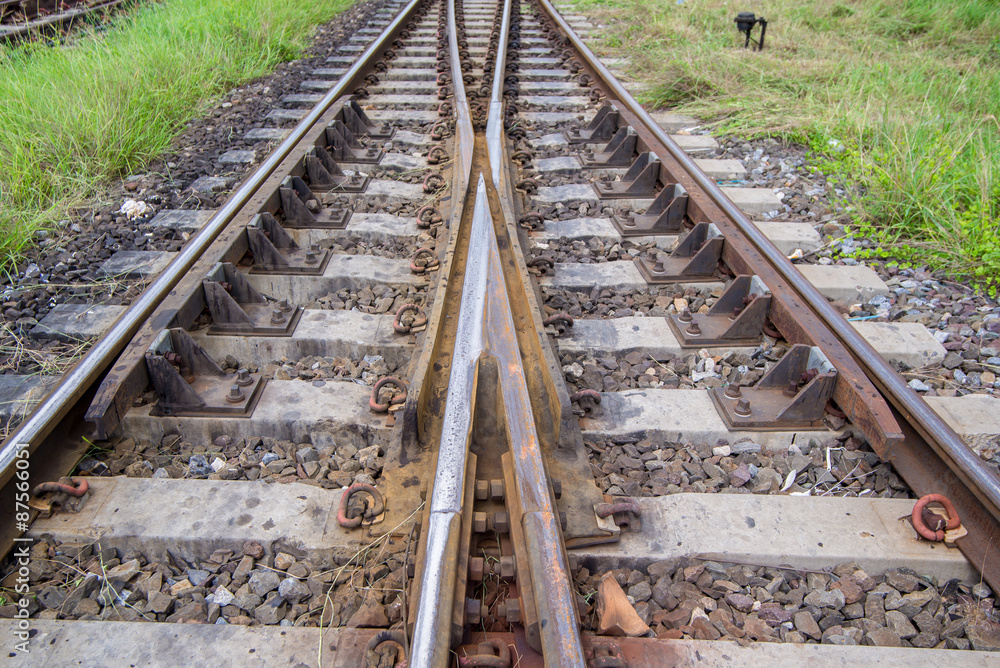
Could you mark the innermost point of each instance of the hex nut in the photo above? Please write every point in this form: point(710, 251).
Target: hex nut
point(512, 611)
point(508, 568)
point(477, 569)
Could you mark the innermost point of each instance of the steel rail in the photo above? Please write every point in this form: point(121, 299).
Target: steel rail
point(75, 383)
point(10, 32)
point(432, 628)
point(551, 583)
point(940, 436)
point(494, 122)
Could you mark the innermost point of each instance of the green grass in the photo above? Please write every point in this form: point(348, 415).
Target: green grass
point(73, 118)
point(911, 88)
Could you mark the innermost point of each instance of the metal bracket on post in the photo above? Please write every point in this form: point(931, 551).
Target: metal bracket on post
point(664, 216)
point(639, 181)
point(602, 128)
point(295, 198)
point(695, 258)
point(275, 252)
point(345, 147)
point(189, 382)
point(237, 307)
point(357, 121)
point(325, 174)
point(736, 319)
point(619, 151)
point(791, 395)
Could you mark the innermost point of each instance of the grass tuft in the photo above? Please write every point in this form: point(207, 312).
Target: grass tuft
point(108, 102)
point(910, 88)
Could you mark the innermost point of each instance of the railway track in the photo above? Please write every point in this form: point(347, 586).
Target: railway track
point(480, 367)
point(23, 18)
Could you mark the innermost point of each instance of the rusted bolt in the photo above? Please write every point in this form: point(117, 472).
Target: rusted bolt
point(573, 562)
point(482, 490)
point(404, 326)
point(496, 489)
point(920, 518)
point(508, 568)
point(284, 306)
point(607, 655)
point(792, 389)
point(693, 329)
point(479, 522)
point(624, 506)
point(79, 487)
point(501, 522)
point(532, 220)
point(542, 263)
point(418, 263)
point(658, 267)
point(490, 654)
point(277, 316)
point(350, 516)
point(560, 321)
point(243, 378)
point(439, 131)
point(733, 391)
point(512, 611)
point(433, 182)
point(521, 157)
point(743, 408)
point(428, 216)
point(588, 400)
point(386, 649)
point(436, 155)
point(557, 488)
point(235, 395)
point(685, 315)
point(528, 185)
point(477, 569)
point(373, 401)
